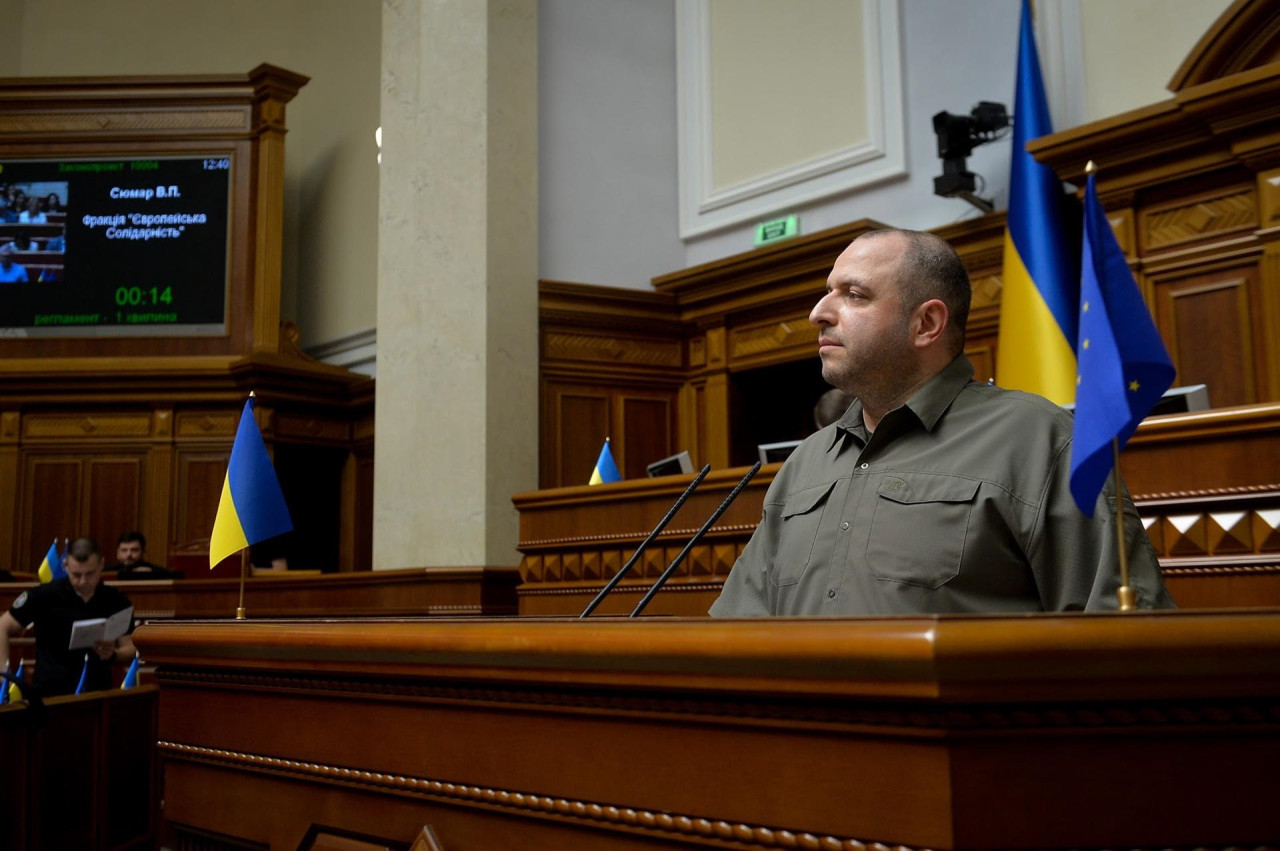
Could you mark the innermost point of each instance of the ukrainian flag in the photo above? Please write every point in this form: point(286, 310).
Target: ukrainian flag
point(51, 566)
point(606, 470)
point(131, 675)
point(84, 675)
point(13, 694)
point(252, 506)
point(1041, 291)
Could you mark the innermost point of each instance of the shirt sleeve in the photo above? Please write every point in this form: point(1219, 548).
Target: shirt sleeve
point(25, 607)
point(1075, 559)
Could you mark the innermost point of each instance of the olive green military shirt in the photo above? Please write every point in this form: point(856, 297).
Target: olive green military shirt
point(958, 502)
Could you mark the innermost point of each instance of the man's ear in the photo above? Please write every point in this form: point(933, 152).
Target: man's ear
point(929, 322)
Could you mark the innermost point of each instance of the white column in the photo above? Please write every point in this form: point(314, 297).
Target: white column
point(457, 362)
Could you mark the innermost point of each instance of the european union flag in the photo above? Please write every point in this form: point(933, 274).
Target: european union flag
point(606, 470)
point(1124, 367)
point(252, 506)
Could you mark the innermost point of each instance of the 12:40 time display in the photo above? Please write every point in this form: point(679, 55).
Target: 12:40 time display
point(134, 296)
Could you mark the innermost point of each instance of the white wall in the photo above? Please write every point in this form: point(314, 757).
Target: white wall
point(607, 141)
point(608, 133)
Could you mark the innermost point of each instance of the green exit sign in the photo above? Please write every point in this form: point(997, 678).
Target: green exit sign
point(777, 230)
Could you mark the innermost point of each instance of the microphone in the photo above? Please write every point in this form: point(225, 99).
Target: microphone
point(715, 515)
point(662, 524)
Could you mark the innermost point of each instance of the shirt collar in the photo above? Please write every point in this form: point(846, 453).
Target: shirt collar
point(928, 403)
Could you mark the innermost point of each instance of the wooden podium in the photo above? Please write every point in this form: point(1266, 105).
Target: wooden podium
point(1032, 732)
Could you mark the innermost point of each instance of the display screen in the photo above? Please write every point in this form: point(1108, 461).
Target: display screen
point(114, 247)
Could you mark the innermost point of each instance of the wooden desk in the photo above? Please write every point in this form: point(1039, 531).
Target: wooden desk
point(1080, 731)
point(80, 772)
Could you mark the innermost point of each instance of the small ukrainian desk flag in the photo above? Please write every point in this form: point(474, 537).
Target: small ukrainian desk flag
point(1124, 366)
point(252, 506)
point(131, 675)
point(51, 566)
point(12, 691)
point(606, 470)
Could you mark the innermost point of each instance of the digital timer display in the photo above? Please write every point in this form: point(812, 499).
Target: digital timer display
point(114, 247)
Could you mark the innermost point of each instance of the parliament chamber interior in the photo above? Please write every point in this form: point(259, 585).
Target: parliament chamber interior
point(412, 671)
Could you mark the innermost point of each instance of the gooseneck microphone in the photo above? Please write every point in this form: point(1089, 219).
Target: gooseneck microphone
point(715, 515)
point(662, 524)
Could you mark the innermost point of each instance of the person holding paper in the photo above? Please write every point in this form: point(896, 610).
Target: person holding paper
point(56, 608)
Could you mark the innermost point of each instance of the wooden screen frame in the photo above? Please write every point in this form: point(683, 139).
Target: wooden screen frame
point(240, 116)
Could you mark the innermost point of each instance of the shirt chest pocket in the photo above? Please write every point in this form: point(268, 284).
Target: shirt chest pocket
point(801, 521)
point(919, 528)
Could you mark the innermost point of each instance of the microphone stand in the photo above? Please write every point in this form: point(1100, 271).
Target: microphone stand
point(715, 515)
point(662, 524)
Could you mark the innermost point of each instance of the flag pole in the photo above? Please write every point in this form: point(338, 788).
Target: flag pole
point(244, 560)
point(1124, 595)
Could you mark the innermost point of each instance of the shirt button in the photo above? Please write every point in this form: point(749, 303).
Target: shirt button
point(831, 593)
point(865, 465)
point(845, 526)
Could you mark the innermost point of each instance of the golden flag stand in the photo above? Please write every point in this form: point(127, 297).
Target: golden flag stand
point(1125, 595)
point(244, 568)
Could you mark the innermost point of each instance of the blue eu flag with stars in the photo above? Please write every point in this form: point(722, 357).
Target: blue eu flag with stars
point(1123, 366)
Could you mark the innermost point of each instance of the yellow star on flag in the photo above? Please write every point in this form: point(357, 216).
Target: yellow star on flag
point(1133, 386)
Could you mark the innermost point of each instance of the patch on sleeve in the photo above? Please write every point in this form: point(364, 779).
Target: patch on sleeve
point(22, 598)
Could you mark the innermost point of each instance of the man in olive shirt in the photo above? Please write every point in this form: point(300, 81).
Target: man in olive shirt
point(933, 493)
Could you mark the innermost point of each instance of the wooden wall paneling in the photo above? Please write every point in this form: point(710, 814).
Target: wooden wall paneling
point(199, 473)
point(52, 503)
point(157, 500)
point(647, 428)
point(1198, 218)
point(580, 423)
point(10, 555)
point(1206, 321)
point(114, 488)
point(1269, 312)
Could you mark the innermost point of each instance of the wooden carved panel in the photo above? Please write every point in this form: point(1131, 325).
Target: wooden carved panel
point(75, 425)
point(51, 505)
point(559, 345)
point(1226, 212)
point(202, 425)
point(311, 429)
point(1205, 321)
point(60, 123)
point(199, 487)
point(114, 499)
point(579, 420)
point(773, 340)
point(648, 426)
point(1269, 198)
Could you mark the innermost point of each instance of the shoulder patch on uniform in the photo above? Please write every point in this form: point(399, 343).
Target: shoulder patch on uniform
point(22, 598)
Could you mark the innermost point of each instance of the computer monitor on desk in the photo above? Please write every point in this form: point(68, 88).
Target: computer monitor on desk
point(672, 465)
point(776, 453)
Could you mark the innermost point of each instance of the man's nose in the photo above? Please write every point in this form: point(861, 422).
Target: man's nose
point(821, 313)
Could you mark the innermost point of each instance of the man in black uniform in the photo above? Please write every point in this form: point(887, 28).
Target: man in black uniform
point(53, 608)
